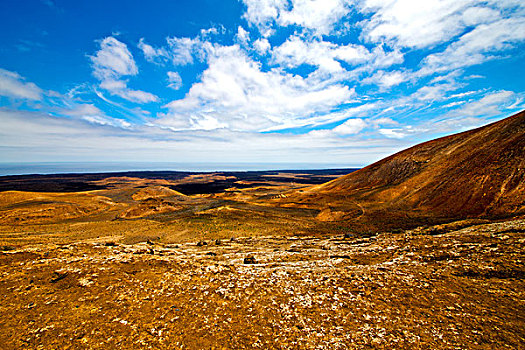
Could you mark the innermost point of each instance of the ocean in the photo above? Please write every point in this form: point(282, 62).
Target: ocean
point(106, 167)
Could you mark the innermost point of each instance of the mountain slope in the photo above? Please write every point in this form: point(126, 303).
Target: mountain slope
point(478, 173)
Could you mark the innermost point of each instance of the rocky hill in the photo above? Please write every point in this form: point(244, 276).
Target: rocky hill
point(477, 173)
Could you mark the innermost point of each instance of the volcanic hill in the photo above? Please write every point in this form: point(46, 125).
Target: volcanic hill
point(473, 174)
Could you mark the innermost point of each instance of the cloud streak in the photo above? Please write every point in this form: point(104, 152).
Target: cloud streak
point(13, 85)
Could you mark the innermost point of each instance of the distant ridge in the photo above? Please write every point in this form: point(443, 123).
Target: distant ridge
point(477, 173)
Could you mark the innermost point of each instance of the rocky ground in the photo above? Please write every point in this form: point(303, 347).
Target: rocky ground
point(447, 287)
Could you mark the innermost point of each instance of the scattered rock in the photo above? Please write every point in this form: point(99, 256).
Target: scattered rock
point(340, 257)
point(293, 250)
point(58, 276)
point(250, 260)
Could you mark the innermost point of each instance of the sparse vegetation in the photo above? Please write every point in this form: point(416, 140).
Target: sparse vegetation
point(136, 264)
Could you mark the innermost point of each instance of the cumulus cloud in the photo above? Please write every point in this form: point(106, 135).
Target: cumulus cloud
point(262, 13)
point(242, 37)
point(238, 94)
point(152, 54)
point(310, 88)
point(262, 46)
point(351, 126)
point(13, 85)
point(175, 81)
point(113, 60)
point(182, 50)
point(110, 64)
point(317, 16)
point(325, 55)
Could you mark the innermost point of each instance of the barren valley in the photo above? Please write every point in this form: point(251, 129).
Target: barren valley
point(422, 250)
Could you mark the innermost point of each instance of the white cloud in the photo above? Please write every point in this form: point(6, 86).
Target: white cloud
point(477, 46)
point(154, 55)
point(491, 104)
point(262, 46)
point(421, 23)
point(317, 16)
point(120, 88)
point(463, 94)
point(137, 96)
point(351, 126)
point(383, 121)
point(80, 140)
point(83, 110)
point(262, 13)
point(181, 50)
point(239, 95)
point(113, 61)
point(13, 85)
point(175, 81)
point(323, 54)
point(436, 92)
point(454, 104)
point(96, 119)
point(465, 116)
point(207, 33)
point(242, 37)
point(93, 115)
point(394, 133)
point(518, 104)
point(387, 80)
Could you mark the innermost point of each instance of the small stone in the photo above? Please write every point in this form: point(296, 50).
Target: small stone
point(57, 276)
point(250, 260)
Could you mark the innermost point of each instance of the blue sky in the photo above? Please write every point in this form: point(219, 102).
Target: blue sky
point(261, 81)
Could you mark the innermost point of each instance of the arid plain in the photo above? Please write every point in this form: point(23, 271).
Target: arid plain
point(422, 250)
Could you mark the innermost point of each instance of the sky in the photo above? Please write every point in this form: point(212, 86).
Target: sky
point(339, 82)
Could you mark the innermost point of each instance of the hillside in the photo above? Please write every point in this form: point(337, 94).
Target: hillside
point(477, 173)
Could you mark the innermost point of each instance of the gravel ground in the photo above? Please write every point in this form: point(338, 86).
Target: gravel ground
point(445, 287)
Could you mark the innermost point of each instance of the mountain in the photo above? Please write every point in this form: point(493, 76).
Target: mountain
point(477, 173)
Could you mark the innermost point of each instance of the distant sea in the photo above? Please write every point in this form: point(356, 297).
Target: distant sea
point(103, 167)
